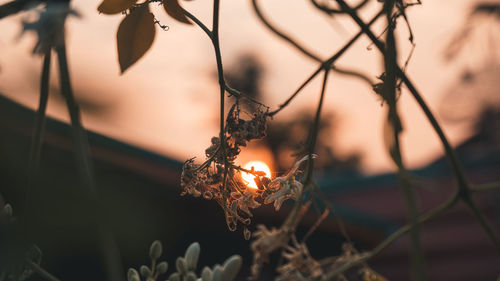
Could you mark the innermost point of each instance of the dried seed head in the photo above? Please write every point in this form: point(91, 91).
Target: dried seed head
point(155, 250)
point(246, 233)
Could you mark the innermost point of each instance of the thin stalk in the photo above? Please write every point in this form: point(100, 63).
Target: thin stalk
point(198, 22)
point(288, 224)
point(328, 63)
point(390, 61)
point(37, 139)
point(452, 201)
point(108, 245)
point(40, 271)
point(303, 49)
point(483, 221)
point(486, 186)
point(463, 188)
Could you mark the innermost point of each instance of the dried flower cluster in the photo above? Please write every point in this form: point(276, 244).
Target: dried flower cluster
point(218, 178)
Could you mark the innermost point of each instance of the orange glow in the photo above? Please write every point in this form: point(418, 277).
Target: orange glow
point(257, 166)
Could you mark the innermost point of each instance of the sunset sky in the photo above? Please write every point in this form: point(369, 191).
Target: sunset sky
point(168, 101)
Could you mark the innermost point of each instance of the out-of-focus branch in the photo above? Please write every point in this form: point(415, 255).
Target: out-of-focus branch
point(332, 275)
point(42, 272)
point(463, 188)
point(326, 64)
point(16, 6)
point(287, 38)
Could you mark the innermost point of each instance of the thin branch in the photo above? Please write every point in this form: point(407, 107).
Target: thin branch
point(390, 85)
point(40, 271)
point(486, 186)
point(463, 189)
point(301, 48)
point(198, 22)
point(331, 11)
point(16, 6)
point(326, 64)
point(452, 201)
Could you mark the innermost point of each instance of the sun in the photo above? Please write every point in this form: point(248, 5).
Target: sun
point(257, 166)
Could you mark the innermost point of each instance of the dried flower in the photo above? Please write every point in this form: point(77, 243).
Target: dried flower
point(300, 265)
point(287, 186)
point(245, 201)
point(267, 241)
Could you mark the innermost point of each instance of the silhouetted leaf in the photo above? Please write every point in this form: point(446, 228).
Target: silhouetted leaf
point(173, 9)
point(111, 7)
point(135, 36)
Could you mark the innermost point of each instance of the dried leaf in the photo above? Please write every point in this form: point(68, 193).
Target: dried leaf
point(111, 7)
point(174, 9)
point(135, 36)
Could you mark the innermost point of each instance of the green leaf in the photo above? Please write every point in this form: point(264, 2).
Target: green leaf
point(174, 9)
point(111, 7)
point(135, 36)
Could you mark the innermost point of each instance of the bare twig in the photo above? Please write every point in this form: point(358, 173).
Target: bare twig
point(463, 189)
point(303, 49)
point(324, 65)
point(40, 271)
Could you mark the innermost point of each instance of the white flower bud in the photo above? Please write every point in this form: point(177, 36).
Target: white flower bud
point(206, 274)
point(191, 256)
point(155, 250)
point(231, 268)
point(191, 276)
point(162, 267)
point(145, 271)
point(181, 265)
point(7, 210)
point(217, 273)
point(133, 275)
point(175, 277)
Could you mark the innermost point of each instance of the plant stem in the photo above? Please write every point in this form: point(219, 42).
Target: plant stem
point(37, 139)
point(390, 84)
point(391, 239)
point(463, 189)
point(486, 186)
point(42, 272)
point(328, 63)
point(108, 245)
point(303, 49)
point(198, 22)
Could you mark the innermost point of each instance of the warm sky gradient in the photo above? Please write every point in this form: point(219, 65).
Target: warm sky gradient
point(168, 102)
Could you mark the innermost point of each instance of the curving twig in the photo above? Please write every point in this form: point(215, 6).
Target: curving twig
point(304, 50)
